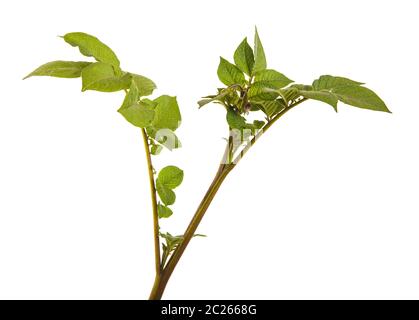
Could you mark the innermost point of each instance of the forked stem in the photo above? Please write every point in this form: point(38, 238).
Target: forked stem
point(160, 284)
point(223, 170)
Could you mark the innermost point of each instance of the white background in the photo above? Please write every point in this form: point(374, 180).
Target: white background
point(324, 206)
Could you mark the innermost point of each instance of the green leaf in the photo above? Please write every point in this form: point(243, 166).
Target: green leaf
point(347, 91)
point(260, 59)
point(229, 74)
point(243, 57)
point(139, 114)
point(205, 101)
point(360, 97)
point(289, 94)
point(167, 196)
point(167, 113)
point(259, 91)
point(171, 240)
point(270, 108)
point(170, 176)
point(60, 69)
point(323, 96)
point(100, 76)
point(131, 97)
point(171, 244)
point(271, 79)
point(91, 46)
point(218, 97)
point(144, 85)
point(327, 82)
point(164, 211)
point(156, 149)
point(303, 87)
point(235, 120)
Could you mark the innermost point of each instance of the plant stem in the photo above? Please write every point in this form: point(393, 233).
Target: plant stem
point(160, 285)
point(223, 170)
point(154, 205)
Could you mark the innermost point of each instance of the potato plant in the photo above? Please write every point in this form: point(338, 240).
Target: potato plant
point(250, 90)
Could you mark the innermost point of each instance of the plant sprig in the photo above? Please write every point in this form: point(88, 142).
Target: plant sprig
point(158, 118)
point(250, 87)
